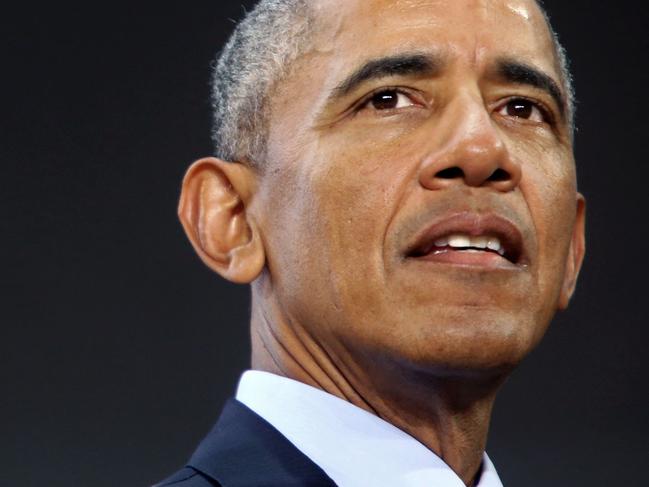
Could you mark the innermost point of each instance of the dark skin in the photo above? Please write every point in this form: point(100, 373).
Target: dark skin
point(363, 173)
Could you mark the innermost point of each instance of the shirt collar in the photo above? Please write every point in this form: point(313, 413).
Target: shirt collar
point(354, 447)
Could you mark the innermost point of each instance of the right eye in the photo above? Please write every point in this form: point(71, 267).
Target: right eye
point(389, 100)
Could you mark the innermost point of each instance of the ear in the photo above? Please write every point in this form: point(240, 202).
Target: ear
point(575, 254)
point(213, 211)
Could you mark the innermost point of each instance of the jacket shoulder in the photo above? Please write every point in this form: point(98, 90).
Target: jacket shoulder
point(244, 450)
point(188, 477)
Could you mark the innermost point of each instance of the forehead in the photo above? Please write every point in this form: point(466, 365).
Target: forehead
point(469, 34)
point(472, 30)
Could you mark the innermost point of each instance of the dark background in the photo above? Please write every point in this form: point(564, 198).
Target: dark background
point(118, 347)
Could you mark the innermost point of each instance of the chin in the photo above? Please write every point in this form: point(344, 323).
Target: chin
point(486, 347)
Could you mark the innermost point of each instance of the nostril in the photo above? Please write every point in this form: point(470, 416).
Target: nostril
point(450, 173)
point(499, 175)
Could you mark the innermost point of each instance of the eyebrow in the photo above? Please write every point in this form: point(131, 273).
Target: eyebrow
point(418, 64)
point(520, 73)
point(399, 65)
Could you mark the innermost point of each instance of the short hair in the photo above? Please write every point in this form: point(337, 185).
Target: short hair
point(258, 55)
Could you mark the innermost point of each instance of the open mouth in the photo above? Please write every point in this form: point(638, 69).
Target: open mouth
point(471, 240)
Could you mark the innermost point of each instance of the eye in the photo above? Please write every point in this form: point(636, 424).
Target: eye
point(525, 109)
point(389, 100)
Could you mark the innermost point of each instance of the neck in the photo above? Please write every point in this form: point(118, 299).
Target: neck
point(447, 412)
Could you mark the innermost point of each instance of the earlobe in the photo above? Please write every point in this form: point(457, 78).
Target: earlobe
point(213, 211)
point(575, 255)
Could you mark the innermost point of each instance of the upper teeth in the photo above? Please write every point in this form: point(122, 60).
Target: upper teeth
point(466, 241)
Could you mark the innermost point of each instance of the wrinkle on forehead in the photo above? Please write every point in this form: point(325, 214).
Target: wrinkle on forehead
point(349, 31)
point(345, 21)
point(416, 4)
point(335, 15)
point(374, 27)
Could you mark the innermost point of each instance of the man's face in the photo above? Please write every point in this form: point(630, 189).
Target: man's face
point(374, 189)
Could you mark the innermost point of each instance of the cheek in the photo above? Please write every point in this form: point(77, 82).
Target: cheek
point(324, 224)
point(346, 196)
point(361, 171)
point(550, 192)
point(355, 196)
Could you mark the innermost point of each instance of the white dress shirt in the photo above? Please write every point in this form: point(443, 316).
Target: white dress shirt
point(354, 447)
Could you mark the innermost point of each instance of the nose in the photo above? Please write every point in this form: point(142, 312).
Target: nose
point(468, 149)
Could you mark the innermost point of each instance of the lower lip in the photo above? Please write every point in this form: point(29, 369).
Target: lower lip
point(478, 259)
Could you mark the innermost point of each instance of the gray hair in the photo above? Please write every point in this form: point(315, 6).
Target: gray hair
point(258, 56)
point(564, 66)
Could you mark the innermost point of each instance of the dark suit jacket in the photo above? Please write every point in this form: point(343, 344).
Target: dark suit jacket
point(244, 450)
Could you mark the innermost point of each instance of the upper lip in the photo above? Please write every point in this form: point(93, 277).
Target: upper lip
point(472, 224)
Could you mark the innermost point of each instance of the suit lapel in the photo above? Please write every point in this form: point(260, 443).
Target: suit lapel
point(244, 450)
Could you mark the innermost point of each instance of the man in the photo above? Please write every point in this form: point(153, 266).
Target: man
point(396, 180)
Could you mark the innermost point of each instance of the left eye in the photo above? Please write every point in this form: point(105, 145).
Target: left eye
point(522, 108)
point(389, 100)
